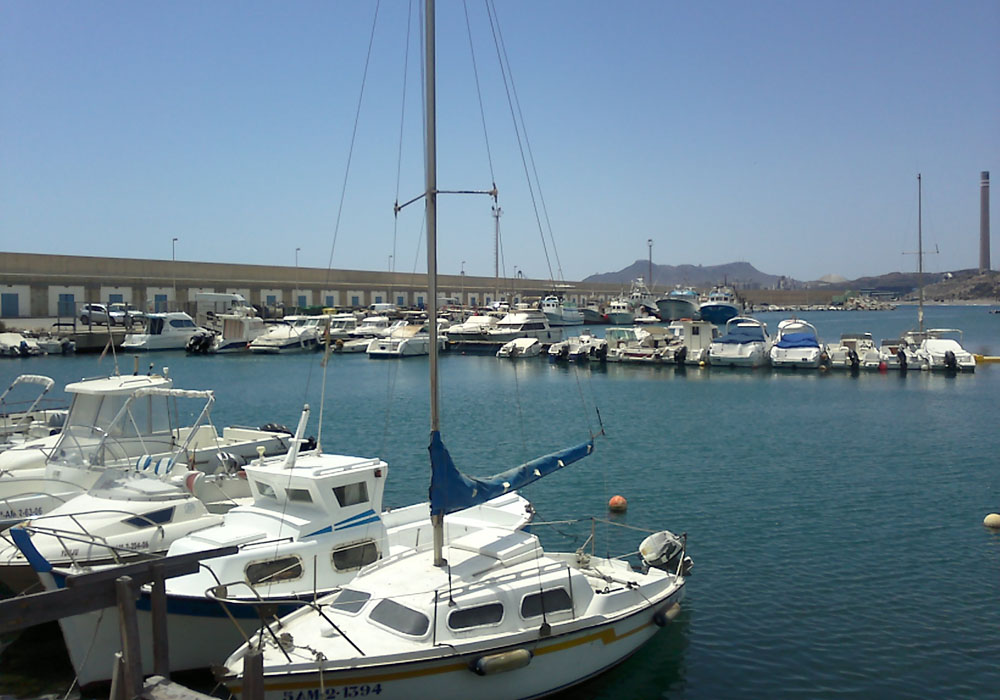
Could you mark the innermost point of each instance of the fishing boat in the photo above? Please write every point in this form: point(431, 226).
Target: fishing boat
point(745, 343)
point(721, 305)
point(620, 312)
point(488, 614)
point(680, 302)
point(796, 345)
point(560, 312)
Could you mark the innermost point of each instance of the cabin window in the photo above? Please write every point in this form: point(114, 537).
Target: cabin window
point(475, 617)
point(354, 556)
point(181, 323)
point(299, 495)
point(273, 571)
point(551, 601)
point(351, 494)
point(265, 490)
point(157, 517)
point(695, 330)
point(400, 618)
point(350, 601)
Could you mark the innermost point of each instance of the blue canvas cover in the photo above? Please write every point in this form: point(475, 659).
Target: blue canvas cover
point(741, 335)
point(798, 340)
point(451, 490)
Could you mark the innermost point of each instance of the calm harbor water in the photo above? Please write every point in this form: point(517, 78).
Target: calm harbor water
point(834, 520)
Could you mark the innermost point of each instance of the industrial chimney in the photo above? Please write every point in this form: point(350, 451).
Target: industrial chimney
point(984, 221)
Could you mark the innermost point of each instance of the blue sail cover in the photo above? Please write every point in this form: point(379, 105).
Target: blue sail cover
point(798, 340)
point(741, 335)
point(451, 490)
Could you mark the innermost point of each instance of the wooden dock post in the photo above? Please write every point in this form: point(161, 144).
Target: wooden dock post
point(158, 611)
point(129, 622)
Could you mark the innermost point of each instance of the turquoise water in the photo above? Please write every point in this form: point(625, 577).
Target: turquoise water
point(834, 520)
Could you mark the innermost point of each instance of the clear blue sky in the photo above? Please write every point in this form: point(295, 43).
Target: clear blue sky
point(785, 134)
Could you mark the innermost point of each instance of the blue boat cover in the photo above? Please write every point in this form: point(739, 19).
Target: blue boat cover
point(738, 336)
point(798, 340)
point(451, 490)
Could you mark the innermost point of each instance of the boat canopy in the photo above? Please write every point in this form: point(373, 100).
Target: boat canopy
point(742, 334)
point(451, 490)
point(798, 340)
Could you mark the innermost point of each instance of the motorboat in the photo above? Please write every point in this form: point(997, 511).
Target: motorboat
point(17, 345)
point(854, 351)
point(745, 343)
point(896, 354)
point(341, 325)
point(941, 350)
point(371, 327)
point(170, 330)
point(473, 329)
point(680, 302)
point(580, 348)
point(560, 312)
point(294, 334)
point(56, 344)
point(689, 342)
point(620, 312)
point(520, 347)
point(122, 423)
point(315, 520)
point(722, 304)
point(647, 344)
point(231, 330)
point(796, 345)
point(407, 340)
point(523, 322)
point(25, 414)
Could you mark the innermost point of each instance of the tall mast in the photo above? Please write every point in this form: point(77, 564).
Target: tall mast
point(430, 176)
point(496, 252)
point(920, 255)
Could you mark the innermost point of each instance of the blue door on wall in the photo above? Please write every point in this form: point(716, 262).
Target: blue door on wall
point(160, 303)
point(115, 299)
point(8, 305)
point(302, 301)
point(66, 305)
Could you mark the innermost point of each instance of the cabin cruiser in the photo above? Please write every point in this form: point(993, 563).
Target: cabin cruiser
point(680, 302)
point(561, 313)
point(796, 345)
point(744, 344)
point(408, 339)
point(341, 326)
point(855, 350)
point(721, 306)
point(941, 350)
point(121, 423)
point(315, 520)
point(24, 418)
point(473, 329)
point(230, 329)
point(689, 342)
point(523, 322)
point(520, 347)
point(620, 313)
point(581, 348)
point(170, 330)
point(294, 334)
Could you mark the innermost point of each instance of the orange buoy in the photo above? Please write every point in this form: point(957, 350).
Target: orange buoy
point(618, 504)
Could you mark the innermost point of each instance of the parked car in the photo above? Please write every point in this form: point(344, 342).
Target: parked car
point(126, 314)
point(98, 315)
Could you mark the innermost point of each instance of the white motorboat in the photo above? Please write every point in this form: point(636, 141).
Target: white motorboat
point(26, 414)
point(163, 331)
point(581, 348)
point(680, 302)
point(897, 353)
point(722, 304)
point(520, 347)
point(341, 326)
point(122, 423)
point(941, 350)
point(407, 340)
point(690, 342)
point(441, 620)
point(371, 327)
point(620, 313)
point(855, 350)
point(314, 521)
point(523, 322)
point(560, 312)
point(473, 329)
point(294, 334)
point(17, 345)
point(745, 343)
point(796, 345)
point(637, 344)
point(231, 330)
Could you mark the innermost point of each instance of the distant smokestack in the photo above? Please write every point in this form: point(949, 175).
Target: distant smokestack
point(984, 221)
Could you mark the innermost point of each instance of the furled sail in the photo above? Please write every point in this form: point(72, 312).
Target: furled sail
point(451, 490)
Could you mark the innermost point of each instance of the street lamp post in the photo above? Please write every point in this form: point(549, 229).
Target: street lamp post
point(463, 283)
point(173, 266)
point(295, 292)
point(649, 242)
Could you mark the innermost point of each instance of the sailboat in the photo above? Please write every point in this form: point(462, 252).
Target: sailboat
point(489, 614)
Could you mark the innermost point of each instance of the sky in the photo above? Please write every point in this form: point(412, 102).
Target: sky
point(786, 134)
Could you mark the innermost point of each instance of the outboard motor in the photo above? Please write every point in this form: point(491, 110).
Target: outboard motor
point(664, 550)
point(275, 428)
point(853, 360)
point(199, 343)
point(901, 354)
point(680, 357)
point(950, 361)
